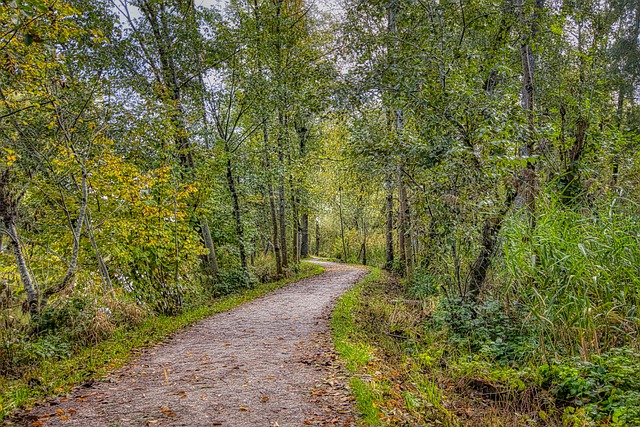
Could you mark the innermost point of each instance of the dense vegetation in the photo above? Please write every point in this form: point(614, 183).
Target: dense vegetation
point(157, 154)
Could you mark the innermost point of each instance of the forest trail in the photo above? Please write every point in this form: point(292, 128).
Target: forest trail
point(265, 363)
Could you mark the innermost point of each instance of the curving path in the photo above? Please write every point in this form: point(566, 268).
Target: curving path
point(265, 363)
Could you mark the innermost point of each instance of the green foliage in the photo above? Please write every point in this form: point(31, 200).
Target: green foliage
point(605, 389)
point(577, 275)
point(231, 281)
point(486, 328)
point(421, 284)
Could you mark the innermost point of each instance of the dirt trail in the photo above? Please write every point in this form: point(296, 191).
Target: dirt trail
point(265, 363)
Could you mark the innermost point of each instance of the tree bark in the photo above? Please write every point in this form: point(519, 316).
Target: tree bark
point(490, 232)
point(272, 208)
point(9, 212)
point(282, 218)
point(295, 235)
point(404, 244)
point(211, 260)
point(72, 269)
point(620, 117)
point(102, 266)
point(571, 188)
point(344, 246)
point(389, 227)
point(237, 215)
point(526, 181)
point(304, 238)
point(364, 240)
point(317, 238)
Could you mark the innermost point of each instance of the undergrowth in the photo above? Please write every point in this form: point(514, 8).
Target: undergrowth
point(55, 365)
point(434, 361)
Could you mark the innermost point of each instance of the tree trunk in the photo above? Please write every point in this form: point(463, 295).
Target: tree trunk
point(295, 235)
point(571, 187)
point(72, 269)
point(272, 208)
point(282, 223)
point(9, 212)
point(526, 182)
point(276, 242)
point(211, 261)
point(237, 215)
point(27, 280)
point(389, 227)
point(344, 246)
point(281, 194)
point(405, 244)
point(402, 226)
point(304, 238)
point(102, 266)
point(620, 117)
point(490, 232)
point(317, 238)
point(364, 241)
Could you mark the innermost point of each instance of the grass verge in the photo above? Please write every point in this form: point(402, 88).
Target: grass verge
point(356, 352)
point(54, 378)
point(372, 333)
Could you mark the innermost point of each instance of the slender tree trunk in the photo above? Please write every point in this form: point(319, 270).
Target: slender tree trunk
point(276, 237)
point(295, 235)
point(402, 226)
point(211, 260)
point(620, 117)
point(281, 196)
point(344, 246)
point(27, 281)
point(9, 212)
point(282, 223)
point(364, 240)
point(304, 238)
point(272, 209)
point(72, 269)
point(526, 186)
point(237, 215)
point(317, 238)
point(404, 243)
point(102, 266)
point(408, 239)
point(389, 227)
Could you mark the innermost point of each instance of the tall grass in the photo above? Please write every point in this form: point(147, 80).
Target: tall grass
point(577, 274)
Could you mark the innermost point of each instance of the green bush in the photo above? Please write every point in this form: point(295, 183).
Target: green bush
point(605, 389)
point(485, 328)
point(230, 281)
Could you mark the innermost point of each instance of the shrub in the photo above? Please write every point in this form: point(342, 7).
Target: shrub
point(485, 328)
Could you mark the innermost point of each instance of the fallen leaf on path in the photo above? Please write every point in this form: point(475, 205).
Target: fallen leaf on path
point(168, 412)
point(244, 408)
point(265, 398)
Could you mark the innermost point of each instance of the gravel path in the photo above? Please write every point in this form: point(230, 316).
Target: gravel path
point(266, 363)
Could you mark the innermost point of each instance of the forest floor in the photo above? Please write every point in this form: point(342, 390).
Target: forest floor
point(269, 362)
